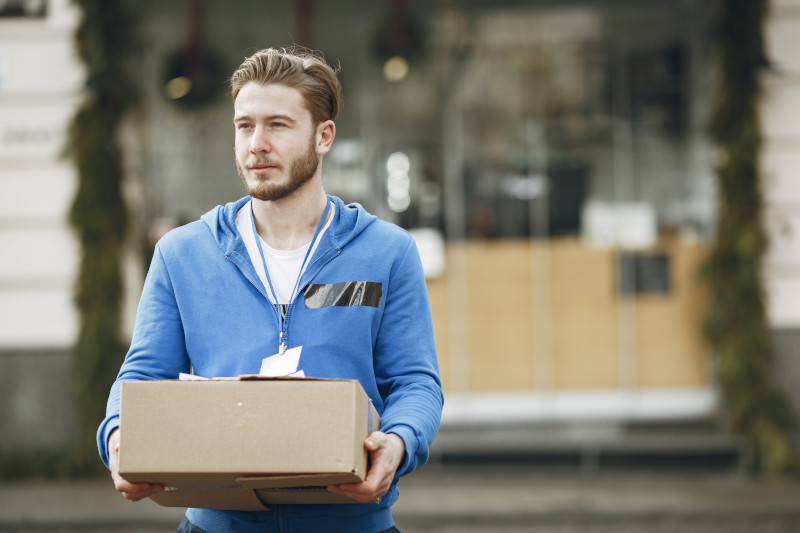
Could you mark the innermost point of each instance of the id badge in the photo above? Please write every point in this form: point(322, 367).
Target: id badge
point(282, 364)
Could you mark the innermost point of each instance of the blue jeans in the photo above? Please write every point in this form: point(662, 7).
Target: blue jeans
point(188, 527)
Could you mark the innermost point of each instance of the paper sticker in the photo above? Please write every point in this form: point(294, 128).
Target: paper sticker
point(190, 377)
point(281, 365)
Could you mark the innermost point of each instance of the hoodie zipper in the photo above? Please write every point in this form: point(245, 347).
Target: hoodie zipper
point(275, 308)
point(301, 290)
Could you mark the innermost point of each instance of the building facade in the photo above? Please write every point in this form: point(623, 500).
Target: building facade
point(551, 158)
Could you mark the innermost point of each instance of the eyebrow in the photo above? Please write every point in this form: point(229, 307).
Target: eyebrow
point(271, 118)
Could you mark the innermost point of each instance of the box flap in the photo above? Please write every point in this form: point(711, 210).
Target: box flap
point(229, 499)
point(301, 495)
point(296, 480)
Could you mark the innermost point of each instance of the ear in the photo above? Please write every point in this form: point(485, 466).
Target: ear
point(326, 131)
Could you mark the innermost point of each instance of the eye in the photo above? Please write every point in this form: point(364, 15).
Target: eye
point(278, 125)
point(244, 126)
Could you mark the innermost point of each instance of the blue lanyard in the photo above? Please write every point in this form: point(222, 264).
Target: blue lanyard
point(281, 315)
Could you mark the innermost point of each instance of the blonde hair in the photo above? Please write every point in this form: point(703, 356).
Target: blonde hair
point(299, 69)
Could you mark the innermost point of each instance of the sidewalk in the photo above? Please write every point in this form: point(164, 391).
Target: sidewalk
point(476, 498)
point(522, 499)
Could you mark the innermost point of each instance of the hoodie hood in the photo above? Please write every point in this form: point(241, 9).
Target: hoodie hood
point(349, 221)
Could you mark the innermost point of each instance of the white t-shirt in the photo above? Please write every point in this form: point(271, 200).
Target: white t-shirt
point(284, 265)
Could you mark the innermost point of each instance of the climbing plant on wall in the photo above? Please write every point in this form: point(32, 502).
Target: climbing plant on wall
point(98, 213)
point(736, 325)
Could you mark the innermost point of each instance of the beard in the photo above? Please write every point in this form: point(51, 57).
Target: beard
point(301, 170)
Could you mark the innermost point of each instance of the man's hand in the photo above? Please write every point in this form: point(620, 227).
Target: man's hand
point(132, 491)
point(386, 452)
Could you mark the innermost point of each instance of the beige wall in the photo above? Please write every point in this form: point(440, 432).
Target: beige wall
point(780, 160)
point(522, 315)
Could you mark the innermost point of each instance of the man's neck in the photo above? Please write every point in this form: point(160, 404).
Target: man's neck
point(290, 223)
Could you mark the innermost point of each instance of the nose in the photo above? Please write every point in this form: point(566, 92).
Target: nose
point(260, 142)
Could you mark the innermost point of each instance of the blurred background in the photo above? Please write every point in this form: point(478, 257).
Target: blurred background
point(553, 159)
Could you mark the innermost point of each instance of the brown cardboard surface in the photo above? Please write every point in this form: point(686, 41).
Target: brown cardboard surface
point(278, 496)
point(231, 499)
point(219, 442)
point(295, 480)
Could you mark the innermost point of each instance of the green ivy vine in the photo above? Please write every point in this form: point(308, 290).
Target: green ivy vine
point(98, 214)
point(736, 324)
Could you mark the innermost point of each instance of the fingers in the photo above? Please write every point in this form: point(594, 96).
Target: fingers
point(136, 491)
point(375, 441)
point(360, 492)
point(386, 452)
point(131, 491)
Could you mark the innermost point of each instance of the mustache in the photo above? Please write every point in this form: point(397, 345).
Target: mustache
point(263, 161)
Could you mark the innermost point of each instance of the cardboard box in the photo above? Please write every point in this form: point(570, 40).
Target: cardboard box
point(242, 444)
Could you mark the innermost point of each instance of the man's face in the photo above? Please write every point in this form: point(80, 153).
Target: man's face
point(276, 142)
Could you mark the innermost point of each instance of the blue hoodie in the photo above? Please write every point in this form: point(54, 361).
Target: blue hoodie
point(204, 307)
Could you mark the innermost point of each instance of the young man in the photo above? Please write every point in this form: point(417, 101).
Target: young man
point(349, 289)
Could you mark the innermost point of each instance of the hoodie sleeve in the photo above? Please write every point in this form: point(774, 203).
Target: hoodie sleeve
point(157, 350)
point(406, 367)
